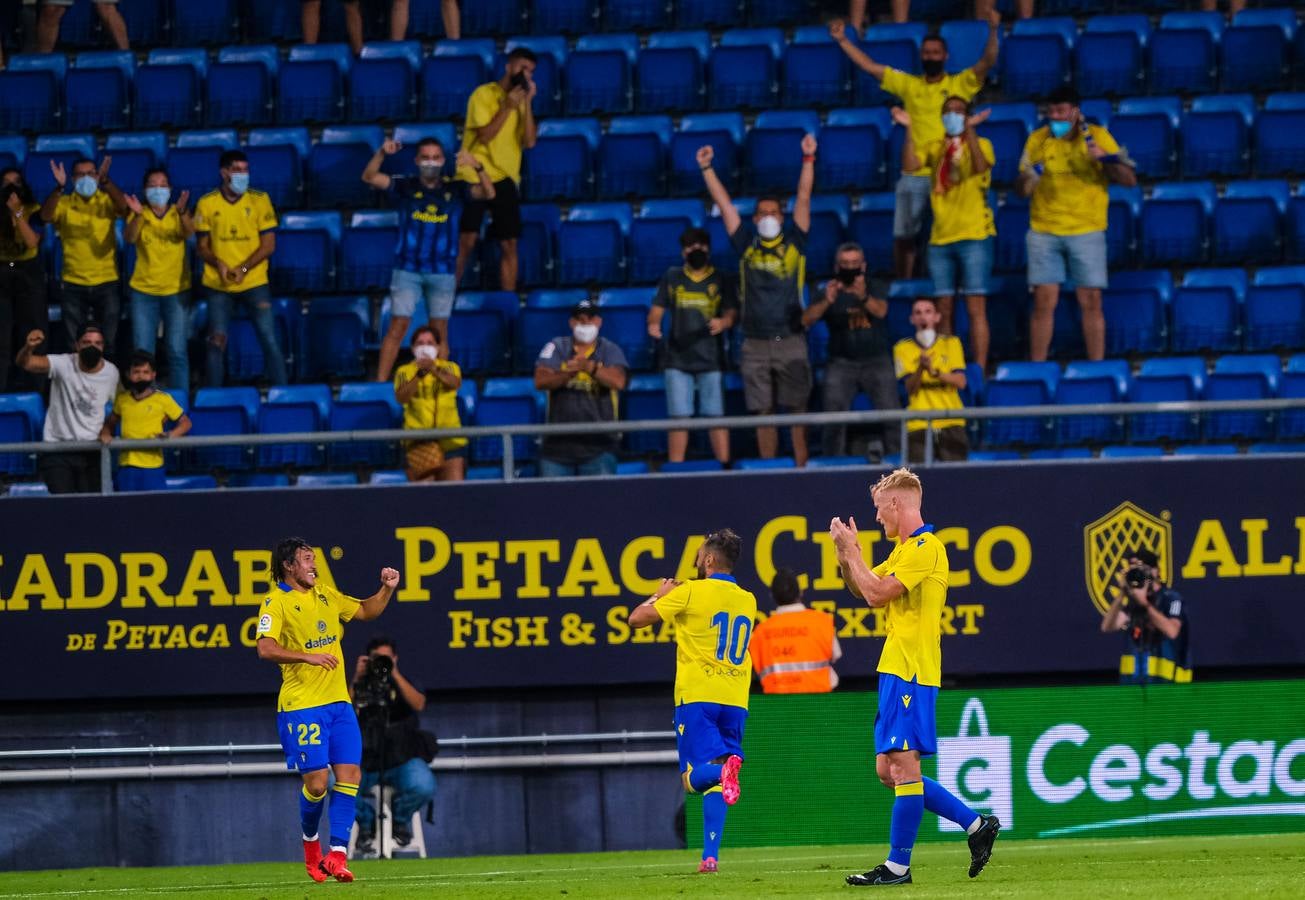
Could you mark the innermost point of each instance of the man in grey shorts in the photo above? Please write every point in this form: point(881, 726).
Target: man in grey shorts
point(47, 24)
point(774, 364)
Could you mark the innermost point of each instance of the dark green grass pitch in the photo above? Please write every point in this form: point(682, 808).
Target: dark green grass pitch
point(1187, 867)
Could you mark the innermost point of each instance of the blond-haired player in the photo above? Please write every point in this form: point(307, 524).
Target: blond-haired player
point(912, 584)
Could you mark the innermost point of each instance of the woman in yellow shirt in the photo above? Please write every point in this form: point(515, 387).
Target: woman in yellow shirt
point(22, 276)
point(160, 283)
point(427, 388)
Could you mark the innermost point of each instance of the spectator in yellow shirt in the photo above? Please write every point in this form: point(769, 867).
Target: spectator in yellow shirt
point(84, 222)
point(922, 96)
point(144, 412)
point(427, 388)
point(1066, 167)
point(160, 283)
point(22, 274)
point(963, 227)
point(500, 125)
point(237, 235)
point(931, 367)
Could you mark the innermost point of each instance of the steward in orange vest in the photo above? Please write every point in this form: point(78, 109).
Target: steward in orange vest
point(794, 650)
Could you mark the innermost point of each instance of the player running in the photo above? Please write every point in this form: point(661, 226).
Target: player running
point(912, 583)
point(301, 627)
point(713, 623)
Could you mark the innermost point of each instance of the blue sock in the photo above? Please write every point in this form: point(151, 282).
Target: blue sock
point(344, 805)
point(713, 822)
point(942, 802)
point(705, 776)
point(908, 810)
point(310, 811)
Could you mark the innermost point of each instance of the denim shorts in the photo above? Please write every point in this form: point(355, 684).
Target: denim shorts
point(680, 387)
point(407, 289)
point(1083, 255)
point(973, 258)
point(912, 205)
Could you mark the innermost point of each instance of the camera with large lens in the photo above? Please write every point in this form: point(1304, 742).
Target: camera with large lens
point(1138, 577)
point(375, 688)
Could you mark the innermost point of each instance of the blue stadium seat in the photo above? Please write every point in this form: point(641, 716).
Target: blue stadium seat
point(13, 150)
point(1275, 309)
point(508, 401)
point(32, 99)
point(388, 476)
point(1216, 135)
point(62, 148)
point(382, 82)
point(167, 89)
point(655, 237)
point(276, 163)
point(244, 355)
point(1147, 127)
point(1110, 55)
point(1166, 379)
point(134, 153)
point(742, 70)
point(774, 149)
point(222, 411)
point(1253, 377)
point(966, 40)
point(670, 72)
point(762, 465)
point(1134, 306)
point(337, 328)
point(1280, 139)
point(367, 251)
point(644, 14)
point(327, 479)
point(816, 70)
point(1036, 57)
point(410, 134)
point(724, 132)
point(493, 17)
point(1253, 448)
point(632, 156)
point(536, 263)
point(480, 333)
point(193, 162)
point(1175, 223)
point(550, 59)
point(852, 150)
point(1061, 453)
point(895, 46)
point(1184, 52)
point(830, 214)
point(543, 318)
point(1127, 451)
point(598, 74)
point(22, 418)
point(98, 90)
point(1206, 310)
point(1247, 223)
point(561, 163)
point(707, 14)
point(1021, 384)
point(871, 226)
point(1291, 422)
point(369, 406)
point(210, 22)
point(591, 244)
point(306, 244)
point(239, 86)
point(702, 465)
point(289, 409)
point(777, 12)
point(36, 489)
point(565, 16)
point(336, 161)
point(1123, 214)
point(190, 483)
point(1255, 53)
point(1010, 253)
point(625, 323)
point(1008, 127)
point(1083, 383)
point(645, 399)
point(449, 75)
point(1206, 450)
point(310, 87)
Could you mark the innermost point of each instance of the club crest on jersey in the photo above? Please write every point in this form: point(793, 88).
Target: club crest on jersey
point(321, 627)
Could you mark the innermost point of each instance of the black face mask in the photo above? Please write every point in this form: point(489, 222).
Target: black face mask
point(90, 357)
point(140, 387)
point(931, 67)
point(697, 259)
point(848, 276)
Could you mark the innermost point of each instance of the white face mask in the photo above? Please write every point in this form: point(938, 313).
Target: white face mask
point(769, 228)
point(425, 351)
point(585, 334)
point(926, 337)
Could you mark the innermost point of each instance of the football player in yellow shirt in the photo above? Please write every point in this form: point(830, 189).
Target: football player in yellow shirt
point(144, 412)
point(912, 584)
point(300, 628)
point(713, 619)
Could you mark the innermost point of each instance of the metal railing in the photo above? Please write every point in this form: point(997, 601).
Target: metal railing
point(506, 433)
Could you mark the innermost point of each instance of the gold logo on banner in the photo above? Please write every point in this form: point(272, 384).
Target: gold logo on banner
point(1107, 541)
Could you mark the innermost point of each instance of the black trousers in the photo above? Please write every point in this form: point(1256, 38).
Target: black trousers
point(71, 473)
point(22, 308)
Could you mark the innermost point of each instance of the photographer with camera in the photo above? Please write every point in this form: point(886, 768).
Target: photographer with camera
point(396, 753)
point(1152, 614)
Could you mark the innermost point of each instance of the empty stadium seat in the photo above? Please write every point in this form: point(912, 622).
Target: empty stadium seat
point(367, 406)
point(1021, 384)
point(707, 13)
point(536, 263)
point(655, 236)
point(1167, 379)
point(336, 161)
point(167, 89)
point(560, 165)
point(1122, 217)
point(852, 150)
point(306, 251)
point(492, 17)
point(1255, 53)
point(670, 72)
point(1010, 252)
point(1247, 223)
point(289, 409)
point(1275, 309)
point(507, 401)
point(22, 418)
point(135, 153)
point(13, 150)
point(1008, 127)
point(743, 67)
point(724, 132)
point(337, 328)
point(774, 149)
point(1184, 52)
point(97, 90)
point(1175, 223)
point(625, 317)
point(700, 465)
point(598, 74)
point(1147, 126)
point(1104, 381)
point(452, 71)
point(276, 163)
point(367, 251)
point(382, 82)
point(829, 217)
point(1110, 55)
point(966, 40)
point(1252, 377)
point(327, 479)
point(222, 411)
point(1126, 451)
point(193, 162)
point(1280, 137)
point(871, 226)
point(1206, 310)
point(632, 156)
point(1216, 135)
point(816, 70)
point(32, 95)
point(645, 398)
point(1291, 422)
point(310, 86)
point(480, 332)
point(1036, 57)
point(591, 244)
point(210, 22)
point(1134, 306)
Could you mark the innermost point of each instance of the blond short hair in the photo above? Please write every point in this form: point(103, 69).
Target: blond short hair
point(902, 479)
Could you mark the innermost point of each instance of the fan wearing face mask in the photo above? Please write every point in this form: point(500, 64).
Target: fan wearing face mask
point(427, 389)
point(960, 242)
point(1067, 167)
point(931, 367)
point(144, 412)
point(583, 375)
point(772, 266)
point(922, 96)
point(84, 221)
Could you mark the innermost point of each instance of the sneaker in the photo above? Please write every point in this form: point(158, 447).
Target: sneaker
point(313, 860)
point(879, 876)
point(981, 843)
point(729, 780)
point(707, 866)
point(336, 864)
point(402, 834)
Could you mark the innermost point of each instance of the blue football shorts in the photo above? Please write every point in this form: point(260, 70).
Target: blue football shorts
point(320, 736)
point(905, 720)
point(707, 731)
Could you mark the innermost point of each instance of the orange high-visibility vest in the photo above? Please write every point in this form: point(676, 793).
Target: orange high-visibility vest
point(791, 652)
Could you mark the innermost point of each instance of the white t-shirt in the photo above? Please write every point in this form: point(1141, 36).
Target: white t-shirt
point(77, 399)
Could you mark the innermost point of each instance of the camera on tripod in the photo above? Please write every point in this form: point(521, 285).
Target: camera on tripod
point(375, 688)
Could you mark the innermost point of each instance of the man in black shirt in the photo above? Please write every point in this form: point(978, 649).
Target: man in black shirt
point(860, 356)
point(583, 374)
point(1153, 616)
point(772, 271)
point(702, 309)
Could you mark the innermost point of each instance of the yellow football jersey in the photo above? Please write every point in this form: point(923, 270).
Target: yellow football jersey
point(924, 101)
point(913, 649)
point(90, 244)
point(961, 213)
point(713, 624)
point(434, 405)
point(144, 418)
point(1072, 196)
point(308, 622)
point(235, 229)
point(161, 265)
point(948, 356)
